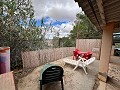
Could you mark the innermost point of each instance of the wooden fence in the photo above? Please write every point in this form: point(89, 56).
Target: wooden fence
point(88, 44)
point(93, 45)
point(35, 58)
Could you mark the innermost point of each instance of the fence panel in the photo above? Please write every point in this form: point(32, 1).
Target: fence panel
point(31, 58)
point(88, 44)
point(35, 58)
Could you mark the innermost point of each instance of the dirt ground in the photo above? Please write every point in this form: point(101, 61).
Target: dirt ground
point(73, 80)
point(114, 77)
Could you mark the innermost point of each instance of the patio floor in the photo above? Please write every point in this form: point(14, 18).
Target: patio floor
point(73, 80)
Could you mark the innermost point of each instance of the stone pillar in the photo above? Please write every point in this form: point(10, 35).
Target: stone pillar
point(105, 51)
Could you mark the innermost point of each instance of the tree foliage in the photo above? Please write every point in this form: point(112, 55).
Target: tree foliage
point(84, 28)
point(18, 29)
point(67, 42)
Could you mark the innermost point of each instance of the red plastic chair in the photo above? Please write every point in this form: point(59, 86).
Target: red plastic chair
point(87, 55)
point(76, 54)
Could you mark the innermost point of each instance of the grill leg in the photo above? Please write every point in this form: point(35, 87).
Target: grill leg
point(40, 85)
point(62, 84)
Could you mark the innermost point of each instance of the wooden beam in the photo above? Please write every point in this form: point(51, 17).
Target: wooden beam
point(101, 10)
point(105, 51)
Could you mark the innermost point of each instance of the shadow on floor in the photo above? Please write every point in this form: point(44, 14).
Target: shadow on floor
point(113, 82)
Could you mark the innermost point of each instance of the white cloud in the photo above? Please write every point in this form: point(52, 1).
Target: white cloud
point(56, 9)
point(66, 27)
point(64, 30)
point(60, 10)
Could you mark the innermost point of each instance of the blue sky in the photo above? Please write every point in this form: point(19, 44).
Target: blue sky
point(47, 19)
point(62, 14)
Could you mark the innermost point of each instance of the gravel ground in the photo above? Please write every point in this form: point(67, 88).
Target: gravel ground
point(73, 80)
point(114, 77)
point(114, 72)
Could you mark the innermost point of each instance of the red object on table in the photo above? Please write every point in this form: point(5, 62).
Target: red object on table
point(77, 53)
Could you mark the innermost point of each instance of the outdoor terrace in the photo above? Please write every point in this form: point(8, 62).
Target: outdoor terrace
point(73, 80)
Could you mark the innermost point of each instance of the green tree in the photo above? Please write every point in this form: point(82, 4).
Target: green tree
point(55, 42)
point(84, 28)
point(18, 29)
point(67, 42)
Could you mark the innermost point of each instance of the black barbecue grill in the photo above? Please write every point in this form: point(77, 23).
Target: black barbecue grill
point(51, 73)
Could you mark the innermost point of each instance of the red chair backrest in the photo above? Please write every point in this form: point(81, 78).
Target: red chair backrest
point(76, 53)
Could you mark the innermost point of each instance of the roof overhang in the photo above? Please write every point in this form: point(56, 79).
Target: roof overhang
point(102, 12)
